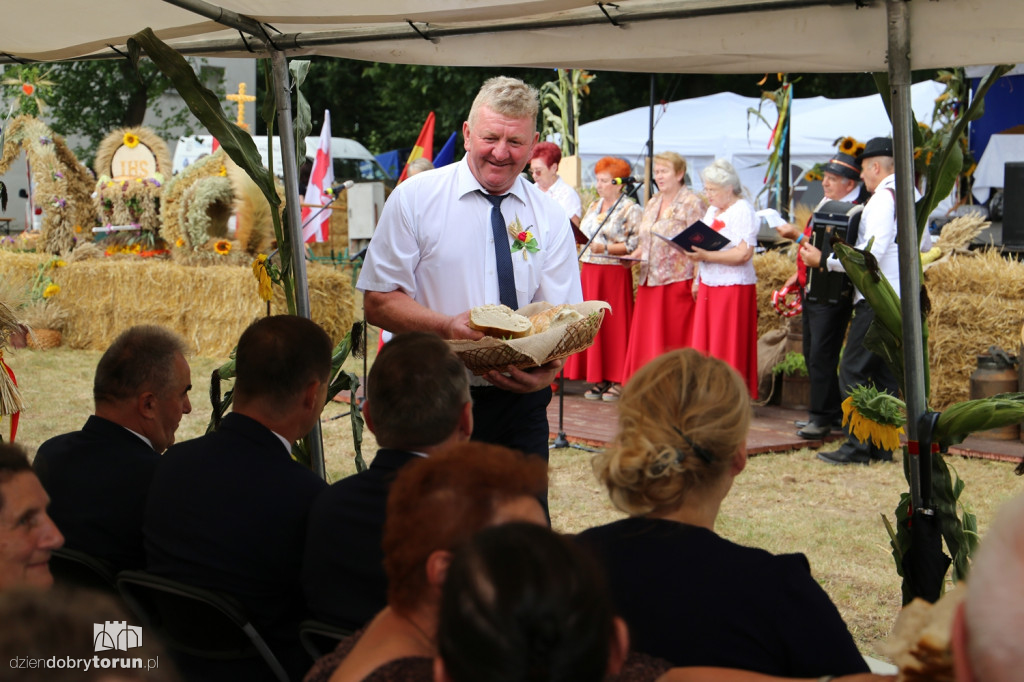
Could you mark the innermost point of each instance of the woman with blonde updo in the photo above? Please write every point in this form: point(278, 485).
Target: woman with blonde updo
point(688, 595)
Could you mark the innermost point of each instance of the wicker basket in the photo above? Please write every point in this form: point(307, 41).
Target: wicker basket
point(42, 339)
point(576, 337)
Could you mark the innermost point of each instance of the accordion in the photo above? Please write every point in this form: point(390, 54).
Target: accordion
point(839, 219)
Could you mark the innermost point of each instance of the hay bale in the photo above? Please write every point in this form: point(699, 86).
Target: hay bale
point(773, 268)
point(977, 301)
point(209, 306)
point(20, 267)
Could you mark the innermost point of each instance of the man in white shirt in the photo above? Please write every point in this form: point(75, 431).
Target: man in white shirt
point(859, 365)
point(434, 256)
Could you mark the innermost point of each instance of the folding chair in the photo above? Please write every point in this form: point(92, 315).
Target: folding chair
point(195, 621)
point(319, 638)
point(80, 569)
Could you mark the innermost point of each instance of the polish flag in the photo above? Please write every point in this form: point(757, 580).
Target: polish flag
point(316, 221)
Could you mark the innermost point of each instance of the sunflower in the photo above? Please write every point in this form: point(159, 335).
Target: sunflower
point(51, 290)
point(179, 242)
point(223, 172)
point(848, 145)
point(859, 149)
point(131, 140)
point(222, 246)
point(875, 416)
point(259, 271)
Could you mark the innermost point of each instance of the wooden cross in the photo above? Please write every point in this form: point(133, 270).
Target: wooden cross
point(240, 99)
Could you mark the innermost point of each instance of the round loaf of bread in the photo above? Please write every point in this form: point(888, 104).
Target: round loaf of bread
point(499, 321)
point(558, 316)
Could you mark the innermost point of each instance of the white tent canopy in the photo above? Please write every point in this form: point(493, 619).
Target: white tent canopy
point(678, 36)
point(702, 129)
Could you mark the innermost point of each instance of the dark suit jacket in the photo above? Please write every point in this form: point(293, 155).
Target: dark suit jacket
point(97, 480)
point(227, 511)
point(342, 572)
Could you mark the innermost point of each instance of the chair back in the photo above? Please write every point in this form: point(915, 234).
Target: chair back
point(319, 638)
point(78, 569)
point(195, 621)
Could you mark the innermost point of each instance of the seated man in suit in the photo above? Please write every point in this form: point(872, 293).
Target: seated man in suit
point(417, 403)
point(227, 511)
point(97, 478)
point(27, 535)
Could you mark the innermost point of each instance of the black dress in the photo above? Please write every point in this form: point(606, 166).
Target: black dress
point(696, 599)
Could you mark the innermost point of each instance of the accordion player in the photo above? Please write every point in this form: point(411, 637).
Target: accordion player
point(833, 218)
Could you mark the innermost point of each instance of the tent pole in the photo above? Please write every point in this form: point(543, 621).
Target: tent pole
point(649, 166)
point(286, 134)
point(898, 14)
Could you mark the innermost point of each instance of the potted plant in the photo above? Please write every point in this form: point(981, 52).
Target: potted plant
point(796, 389)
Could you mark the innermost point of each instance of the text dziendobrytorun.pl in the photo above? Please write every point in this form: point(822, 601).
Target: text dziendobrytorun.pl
point(84, 664)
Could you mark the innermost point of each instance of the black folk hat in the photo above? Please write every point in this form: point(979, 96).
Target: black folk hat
point(843, 165)
point(877, 146)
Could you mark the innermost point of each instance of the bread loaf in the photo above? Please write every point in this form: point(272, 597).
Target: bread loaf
point(499, 321)
point(558, 316)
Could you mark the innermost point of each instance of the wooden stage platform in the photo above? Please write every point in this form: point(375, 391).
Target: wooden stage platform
point(593, 423)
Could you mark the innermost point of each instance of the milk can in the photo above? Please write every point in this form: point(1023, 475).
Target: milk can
point(996, 373)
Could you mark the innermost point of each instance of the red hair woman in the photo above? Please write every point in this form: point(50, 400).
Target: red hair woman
point(606, 279)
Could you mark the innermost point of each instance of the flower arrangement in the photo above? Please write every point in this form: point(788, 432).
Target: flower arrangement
point(129, 202)
point(522, 238)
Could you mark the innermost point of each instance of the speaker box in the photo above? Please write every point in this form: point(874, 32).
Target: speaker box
point(1013, 204)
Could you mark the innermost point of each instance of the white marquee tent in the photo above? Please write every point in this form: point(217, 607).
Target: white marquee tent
point(670, 36)
point(718, 126)
point(675, 36)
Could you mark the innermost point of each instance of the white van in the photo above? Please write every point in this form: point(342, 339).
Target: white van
point(352, 161)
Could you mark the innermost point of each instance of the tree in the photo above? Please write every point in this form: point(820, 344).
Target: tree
point(91, 98)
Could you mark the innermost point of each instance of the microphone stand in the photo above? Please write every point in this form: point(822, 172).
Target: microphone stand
point(560, 440)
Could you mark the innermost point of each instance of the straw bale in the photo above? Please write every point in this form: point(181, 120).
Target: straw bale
point(209, 306)
point(979, 272)
point(773, 268)
point(20, 266)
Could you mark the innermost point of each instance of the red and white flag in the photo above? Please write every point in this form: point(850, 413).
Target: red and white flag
point(316, 221)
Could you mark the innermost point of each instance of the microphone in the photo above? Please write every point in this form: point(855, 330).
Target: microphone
point(626, 181)
point(338, 189)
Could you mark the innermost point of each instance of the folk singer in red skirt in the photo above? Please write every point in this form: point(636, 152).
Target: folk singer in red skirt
point(609, 280)
point(663, 314)
point(725, 322)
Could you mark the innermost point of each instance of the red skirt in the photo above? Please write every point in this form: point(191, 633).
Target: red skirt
point(604, 361)
point(662, 321)
point(725, 326)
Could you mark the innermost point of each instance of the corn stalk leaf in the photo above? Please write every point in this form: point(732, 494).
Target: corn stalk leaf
point(299, 68)
point(205, 106)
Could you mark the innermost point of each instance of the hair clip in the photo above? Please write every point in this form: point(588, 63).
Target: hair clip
point(703, 453)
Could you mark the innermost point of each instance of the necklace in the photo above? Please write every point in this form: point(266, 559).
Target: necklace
point(426, 639)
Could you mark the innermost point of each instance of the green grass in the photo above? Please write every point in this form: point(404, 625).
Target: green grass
point(788, 502)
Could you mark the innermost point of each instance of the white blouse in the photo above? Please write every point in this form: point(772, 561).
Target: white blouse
point(741, 225)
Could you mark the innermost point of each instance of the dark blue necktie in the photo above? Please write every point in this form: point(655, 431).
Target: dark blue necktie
point(502, 254)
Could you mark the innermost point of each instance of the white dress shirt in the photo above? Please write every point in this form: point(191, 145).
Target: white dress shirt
point(878, 220)
point(434, 243)
point(568, 198)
